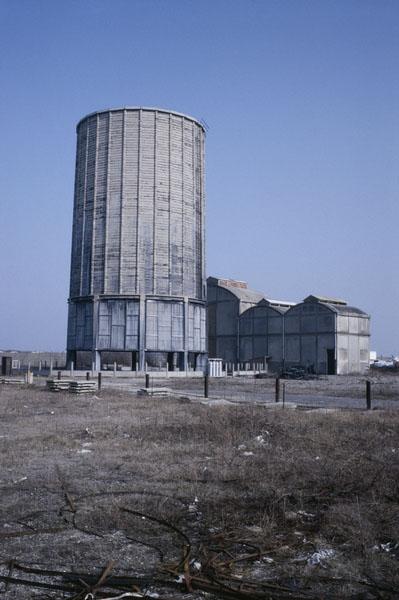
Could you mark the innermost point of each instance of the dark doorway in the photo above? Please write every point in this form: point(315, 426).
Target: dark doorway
point(6, 365)
point(331, 370)
point(83, 360)
point(171, 361)
point(193, 360)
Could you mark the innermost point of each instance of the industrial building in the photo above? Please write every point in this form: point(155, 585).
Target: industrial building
point(325, 335)
point(137, 288)
point(261, 334)
point(322, 335)
point(227, 299)
point(138, 295)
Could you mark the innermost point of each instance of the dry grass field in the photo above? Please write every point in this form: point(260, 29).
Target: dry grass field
point(171, 499)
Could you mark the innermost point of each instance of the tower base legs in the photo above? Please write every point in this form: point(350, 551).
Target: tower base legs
point(96, 360)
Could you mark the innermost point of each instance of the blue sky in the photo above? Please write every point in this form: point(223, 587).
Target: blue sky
point(302, 175)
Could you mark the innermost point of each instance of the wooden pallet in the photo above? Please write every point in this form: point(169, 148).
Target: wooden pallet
point(10, 381)
point(82, 387)
point(58, 385)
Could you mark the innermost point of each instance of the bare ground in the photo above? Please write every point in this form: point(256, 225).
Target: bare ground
point(193, 501)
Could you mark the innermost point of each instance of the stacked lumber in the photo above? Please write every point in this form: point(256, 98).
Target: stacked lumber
point(9, 381)
point(154, 391)
point(82, 387)
point(58, 385)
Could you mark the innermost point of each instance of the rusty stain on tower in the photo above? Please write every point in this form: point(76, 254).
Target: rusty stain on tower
point(138, 259)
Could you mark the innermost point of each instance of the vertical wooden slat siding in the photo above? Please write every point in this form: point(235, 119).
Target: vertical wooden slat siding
point(188, 250)
point(72, 287)
point(199, 211)
point(195, 216)
point(100, 203)
point(130, 187)
point(78, 213)
point(161, 232)
point(202, 208)
point(169, 203)
point(94, 218)
point(145, 258)
point(176, 206)
point(106, 205)
point(182, 264)
point(122, 192)
point(87, 235)
point(138, 228)
point(81, 230)
point(154, 211)
point(114, 203)
point(138, 288)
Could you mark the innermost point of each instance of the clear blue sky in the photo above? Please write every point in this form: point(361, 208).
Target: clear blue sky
point(302, 102)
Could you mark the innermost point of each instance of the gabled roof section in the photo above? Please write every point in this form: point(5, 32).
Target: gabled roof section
point(227, 282)
point(239, 289)
point(280, 305)
point(325, 299)
point(245, 294)
point(338, 306)
point(347, 310)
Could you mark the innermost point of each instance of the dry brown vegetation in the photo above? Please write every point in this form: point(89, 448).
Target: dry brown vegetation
point(193, 501)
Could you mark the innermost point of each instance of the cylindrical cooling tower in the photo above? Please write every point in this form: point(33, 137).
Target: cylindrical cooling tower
point(138, 265)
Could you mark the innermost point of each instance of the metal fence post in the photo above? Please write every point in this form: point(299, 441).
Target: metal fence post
point(206, 385)
point(368, 395)
point(277, 391)
point(147, 381)
point(99, 381)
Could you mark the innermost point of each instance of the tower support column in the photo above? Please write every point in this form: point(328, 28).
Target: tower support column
point(185, 336)
point(142, 333)
point(96, 360)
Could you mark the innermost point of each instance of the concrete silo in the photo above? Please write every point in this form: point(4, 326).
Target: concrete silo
point(138, 264)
